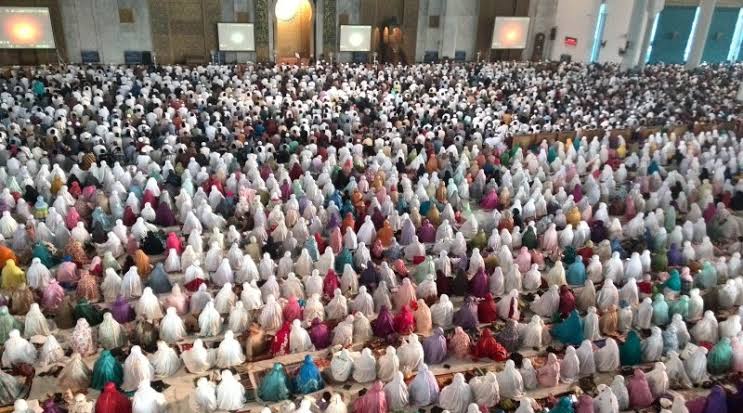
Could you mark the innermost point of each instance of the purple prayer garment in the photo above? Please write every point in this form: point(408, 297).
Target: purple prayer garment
point(466, 316)
point(675, 256)
point(383, 325)
point(319, 334)
point(717, 401)
point(479, 284)
point(696, 405)
point(407, 233)
point(49, 406)
point(164, 215)
point(639, 390)
point(122, 311)
point(434, 347)
point(736, 400)
point(585, 404)
point(427, 233)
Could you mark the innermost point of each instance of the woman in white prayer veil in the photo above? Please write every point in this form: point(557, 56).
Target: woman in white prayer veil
point(630, 293)
point(75, 375)
point(528, 375)
point(619, 388)
point(644, 316)
point(18, 350)
point(210, 322)
point(229, 352)
point(652, 347)
point(586, 297)
point(607, 357)
point(424, 389)
point(314, 308)
point(341, 366)
point(349, 280)
point(532, 333)
point(679, 404)
point(456, 397)
point(148, 400)
point(337, 308)
point(292, 286)
point(508, 306)
point(51, 352)
point(556, 275)
point(131, 284)
point(546, 305)
point(570, 366)
point(388, 364)
point(136, 369)
point(343, 332)
point(410, 353)
point(230, 393)
point(696, 365)
point(366, 233)
point(676, 372)
point(313, 284)
point(198, 359)
point(591, 329)
point(605, 401)
point(442, 312)
point(172, 261)
point(362, 329)
point(363, 302)
point(248, 270)
point(526, 405)
point(706, 329)
point(485, 389)
point(111, 285)
point(251, 296)
point(658, 380)
point(172, 328)
point(607, 296)
point(365, 367)
point(165, 360)
point(148, 307)
point(396, 393)
point(299, 338)
point(270, 287)
point(682, 333)
point(271, 316)
point(225, 299)
point(37, 275)
point(585, 358)
point(204, 398)
point(35, 323)
point(381, 296)
point(326, 261)
point(110, 333)
point(510, 382)
point(335, 405)
point(239, 318)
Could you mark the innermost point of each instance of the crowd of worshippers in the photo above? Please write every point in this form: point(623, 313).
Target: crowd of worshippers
point(166, 221)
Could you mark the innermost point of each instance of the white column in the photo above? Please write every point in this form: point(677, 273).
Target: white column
point(653, 8)
point(636, 33)
point(699, 37)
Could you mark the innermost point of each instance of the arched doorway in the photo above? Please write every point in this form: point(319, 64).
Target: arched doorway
point(293, 30)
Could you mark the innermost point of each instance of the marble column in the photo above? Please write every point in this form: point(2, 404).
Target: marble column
point(653, 7)
point(636, 33)
point(699, 36)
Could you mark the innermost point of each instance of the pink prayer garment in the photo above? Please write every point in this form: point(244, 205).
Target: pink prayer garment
point(173, 242)
point(72, 218)
point(585, 404)
point(52, 296)
point(374, 401)
point(336, 240)
point(330, 284)
point(640, 396)
point(549, 374)
point(459, 343)
point(292, 311)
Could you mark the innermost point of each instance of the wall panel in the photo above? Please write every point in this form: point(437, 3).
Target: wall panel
point(720, 35)
point(672, 34)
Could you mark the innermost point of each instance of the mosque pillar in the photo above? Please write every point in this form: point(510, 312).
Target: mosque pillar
point(653, 7)
point(699, 36)
point(635, 34)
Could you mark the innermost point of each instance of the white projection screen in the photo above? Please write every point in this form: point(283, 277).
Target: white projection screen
point(510, 32)
point(236, 37)
point(355, 38)
point(26, 28)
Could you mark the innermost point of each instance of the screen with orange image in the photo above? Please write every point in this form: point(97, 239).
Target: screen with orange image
point(25, 28)
point(510, 32)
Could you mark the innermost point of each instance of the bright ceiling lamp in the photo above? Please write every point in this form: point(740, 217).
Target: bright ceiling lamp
point(286, 9)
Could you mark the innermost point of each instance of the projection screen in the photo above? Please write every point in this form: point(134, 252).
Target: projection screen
point(25, 28)
point(355, 38)
point(236, 37)
point(510, 32)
